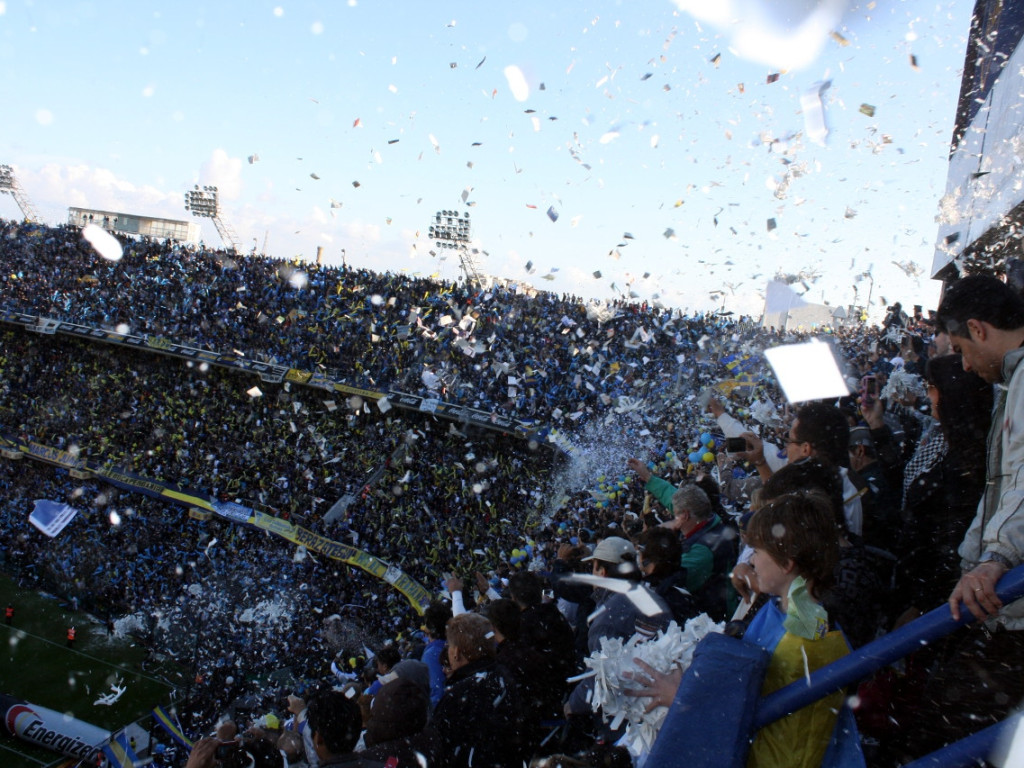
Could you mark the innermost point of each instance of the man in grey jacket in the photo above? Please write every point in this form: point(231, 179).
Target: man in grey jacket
point(985, 321)
point(982, 679)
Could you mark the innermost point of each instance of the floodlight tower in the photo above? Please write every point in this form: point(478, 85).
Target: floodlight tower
point(9, 185)
point(450, 230)
point(204, 204)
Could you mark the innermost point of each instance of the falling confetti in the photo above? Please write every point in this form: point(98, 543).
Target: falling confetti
point(552, 213)
point(910, 268)
point(867, 109)
point(814, 112)
point(517, 83)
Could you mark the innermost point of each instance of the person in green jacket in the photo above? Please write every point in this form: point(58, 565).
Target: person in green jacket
point(709, 543)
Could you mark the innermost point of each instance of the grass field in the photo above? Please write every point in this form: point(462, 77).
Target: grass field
point(36, 666)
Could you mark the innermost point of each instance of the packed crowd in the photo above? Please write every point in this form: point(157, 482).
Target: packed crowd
point(643, 491)
point(532, 356)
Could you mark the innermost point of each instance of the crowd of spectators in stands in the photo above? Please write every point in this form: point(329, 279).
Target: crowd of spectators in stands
point(467, 511)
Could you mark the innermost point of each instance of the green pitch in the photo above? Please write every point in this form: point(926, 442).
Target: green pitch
point(36, 665)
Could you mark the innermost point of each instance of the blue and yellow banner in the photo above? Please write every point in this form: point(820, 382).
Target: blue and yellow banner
point(170, 724)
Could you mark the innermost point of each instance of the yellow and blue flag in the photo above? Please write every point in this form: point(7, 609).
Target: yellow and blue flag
point(170, 724)
point(119, 752)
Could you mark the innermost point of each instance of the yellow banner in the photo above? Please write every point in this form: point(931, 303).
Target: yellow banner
point(414, 592)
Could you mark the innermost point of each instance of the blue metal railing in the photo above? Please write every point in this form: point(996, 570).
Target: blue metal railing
point(858, 665)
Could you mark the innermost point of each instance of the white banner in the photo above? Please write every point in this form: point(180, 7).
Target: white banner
point(51, 517)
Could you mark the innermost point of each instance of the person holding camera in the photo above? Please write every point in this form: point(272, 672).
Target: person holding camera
point(246, 752)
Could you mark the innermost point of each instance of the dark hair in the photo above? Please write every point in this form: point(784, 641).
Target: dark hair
point(400, 709)
point(826, 429)
point(980, 297)
point(263, 753)
point(714, 493)
point(525, 588)
point(389, 655)
point(915, 342)
point(505, 616)
point(651, 520)
point(337, 719)
point(662, 549)
point(799, 527)
point(435, 618)
point(965, 411)
point(812, 474)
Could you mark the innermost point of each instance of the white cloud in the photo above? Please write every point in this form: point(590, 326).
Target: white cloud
point(362, 231)
point(55, 187)
point(223, 172)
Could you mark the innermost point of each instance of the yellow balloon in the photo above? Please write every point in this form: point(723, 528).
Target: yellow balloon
point(708, 457)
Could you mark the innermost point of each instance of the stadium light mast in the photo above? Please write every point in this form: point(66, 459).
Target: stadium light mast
point(450, 230)
point(9, 186)
point(204, 203)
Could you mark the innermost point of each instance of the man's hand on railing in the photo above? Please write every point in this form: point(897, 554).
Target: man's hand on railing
point(977, 591)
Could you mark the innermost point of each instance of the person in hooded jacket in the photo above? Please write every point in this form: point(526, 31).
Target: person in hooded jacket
point(658, 555)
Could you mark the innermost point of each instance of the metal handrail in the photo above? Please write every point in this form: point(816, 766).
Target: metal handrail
point(864, 661)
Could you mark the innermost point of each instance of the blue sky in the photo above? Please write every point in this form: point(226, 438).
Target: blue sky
point(630, 125)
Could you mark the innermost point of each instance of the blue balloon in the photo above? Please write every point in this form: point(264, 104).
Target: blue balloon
point(694, 458)
point(705, 437)
point(574, 540)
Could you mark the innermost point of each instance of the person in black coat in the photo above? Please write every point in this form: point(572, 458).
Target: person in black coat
point(544, 630)
point(659, 551)
point(478, 721)
point(941, 503)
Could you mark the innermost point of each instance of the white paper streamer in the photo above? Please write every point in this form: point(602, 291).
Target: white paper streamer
point(669, 649)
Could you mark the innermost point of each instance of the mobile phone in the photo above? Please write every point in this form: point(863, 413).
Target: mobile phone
point(735, 444)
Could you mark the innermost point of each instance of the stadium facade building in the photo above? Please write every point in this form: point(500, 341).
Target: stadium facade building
point(134, 225)
point(981, 218)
